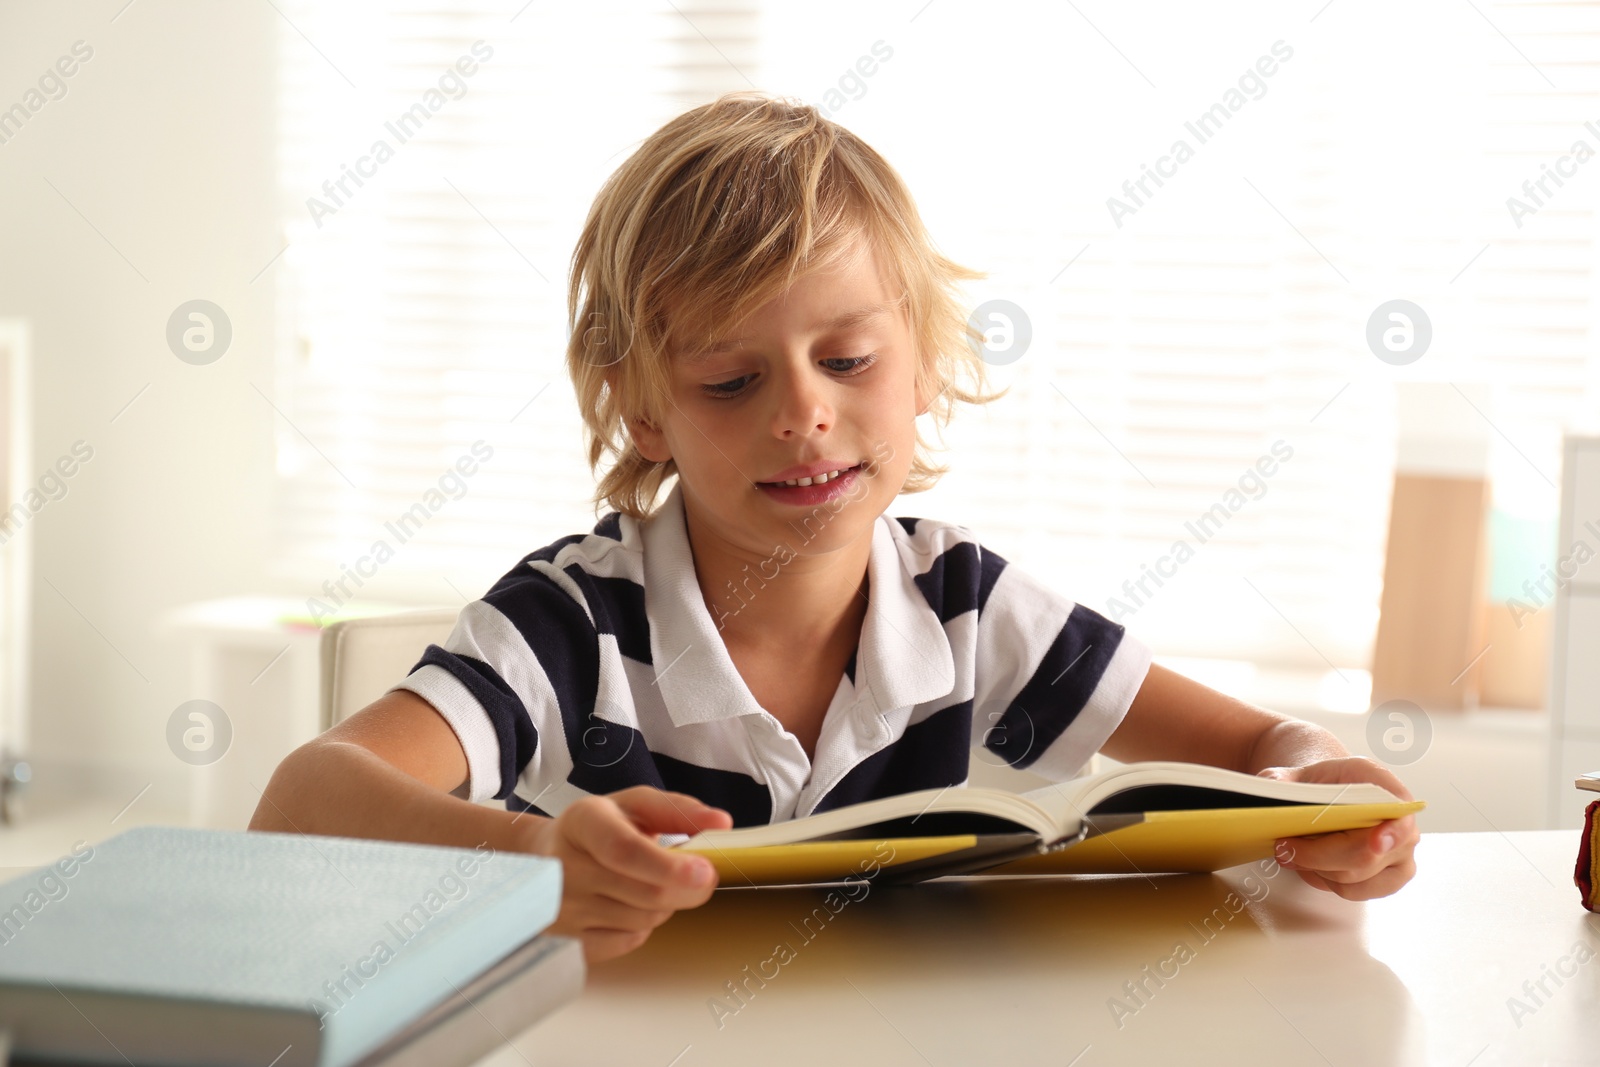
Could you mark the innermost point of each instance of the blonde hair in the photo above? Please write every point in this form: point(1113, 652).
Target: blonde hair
point(715, 214)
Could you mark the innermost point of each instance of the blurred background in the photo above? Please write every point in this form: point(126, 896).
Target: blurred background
point(1296, 304)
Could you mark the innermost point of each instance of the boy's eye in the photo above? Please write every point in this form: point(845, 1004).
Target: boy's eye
point(844, 366)
point(727, 388)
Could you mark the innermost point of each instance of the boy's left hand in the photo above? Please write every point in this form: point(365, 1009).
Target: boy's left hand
point(1354, 864)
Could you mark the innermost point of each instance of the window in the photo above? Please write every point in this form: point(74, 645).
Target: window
point(1212, 323)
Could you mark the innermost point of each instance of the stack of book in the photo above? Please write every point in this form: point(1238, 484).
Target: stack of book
point(175, 946)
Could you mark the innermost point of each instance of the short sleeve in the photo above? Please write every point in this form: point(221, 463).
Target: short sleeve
point(502, 677)
point(1053, 679)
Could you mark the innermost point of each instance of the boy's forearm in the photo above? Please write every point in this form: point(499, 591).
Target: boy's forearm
point(344, 790)
point(1293, 743)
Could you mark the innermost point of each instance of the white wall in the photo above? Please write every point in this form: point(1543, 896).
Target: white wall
point(164, 143)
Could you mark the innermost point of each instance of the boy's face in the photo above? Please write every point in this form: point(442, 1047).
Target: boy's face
point(792, 390)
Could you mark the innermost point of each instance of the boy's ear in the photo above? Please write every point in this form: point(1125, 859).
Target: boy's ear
point(649, 440)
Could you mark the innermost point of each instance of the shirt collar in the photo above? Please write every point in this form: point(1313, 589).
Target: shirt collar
point(904, 658)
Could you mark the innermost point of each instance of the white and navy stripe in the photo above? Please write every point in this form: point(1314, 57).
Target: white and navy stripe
point(594, 665)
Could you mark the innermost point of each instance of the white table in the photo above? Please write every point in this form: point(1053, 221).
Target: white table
point(1022, 972)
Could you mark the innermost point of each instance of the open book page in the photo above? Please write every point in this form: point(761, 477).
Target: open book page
point(1068, 803)
point(1052, 812)
point(906, 815)
point(1198, 840)
point(1063, 802)
point(1144, 817)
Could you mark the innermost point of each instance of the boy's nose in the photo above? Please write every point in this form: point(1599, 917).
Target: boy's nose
point(803, 407)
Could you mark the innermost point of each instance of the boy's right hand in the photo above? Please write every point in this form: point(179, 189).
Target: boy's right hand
point(618, 883)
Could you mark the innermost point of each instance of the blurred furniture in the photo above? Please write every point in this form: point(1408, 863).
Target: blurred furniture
point(1431, 621)
point(17, 476)
point(362, 658)
point(1430, 624)
point(1575, 651)
point(1037, 971)
point(262, 674)
point(1514, 673)
point(255, 658)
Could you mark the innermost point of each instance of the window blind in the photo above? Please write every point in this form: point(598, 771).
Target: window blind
point(1221, 324)
point(423, 309)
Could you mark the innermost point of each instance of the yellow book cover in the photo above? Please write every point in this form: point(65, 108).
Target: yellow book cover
point(1141, 818)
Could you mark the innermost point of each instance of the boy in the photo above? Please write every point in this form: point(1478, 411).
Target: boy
point(756, 303)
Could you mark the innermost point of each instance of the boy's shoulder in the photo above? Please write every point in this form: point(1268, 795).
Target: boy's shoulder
point(952, 569)
point(927, 543)
point(614, 533)
point(956, 573)
point(922, 530)
point(613, 549)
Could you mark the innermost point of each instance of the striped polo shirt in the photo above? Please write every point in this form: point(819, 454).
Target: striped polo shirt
point(595, 665)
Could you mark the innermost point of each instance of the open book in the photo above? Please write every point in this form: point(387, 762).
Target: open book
point(1141, 818)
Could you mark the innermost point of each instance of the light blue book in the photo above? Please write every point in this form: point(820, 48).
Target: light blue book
point(174, 946)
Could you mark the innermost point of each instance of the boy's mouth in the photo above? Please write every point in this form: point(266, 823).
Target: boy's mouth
point(815, 480)
point(824, 486)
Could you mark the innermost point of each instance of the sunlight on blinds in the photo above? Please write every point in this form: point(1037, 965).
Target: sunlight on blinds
point(1198, 442)
point(1216, 319)
point(430, 432)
